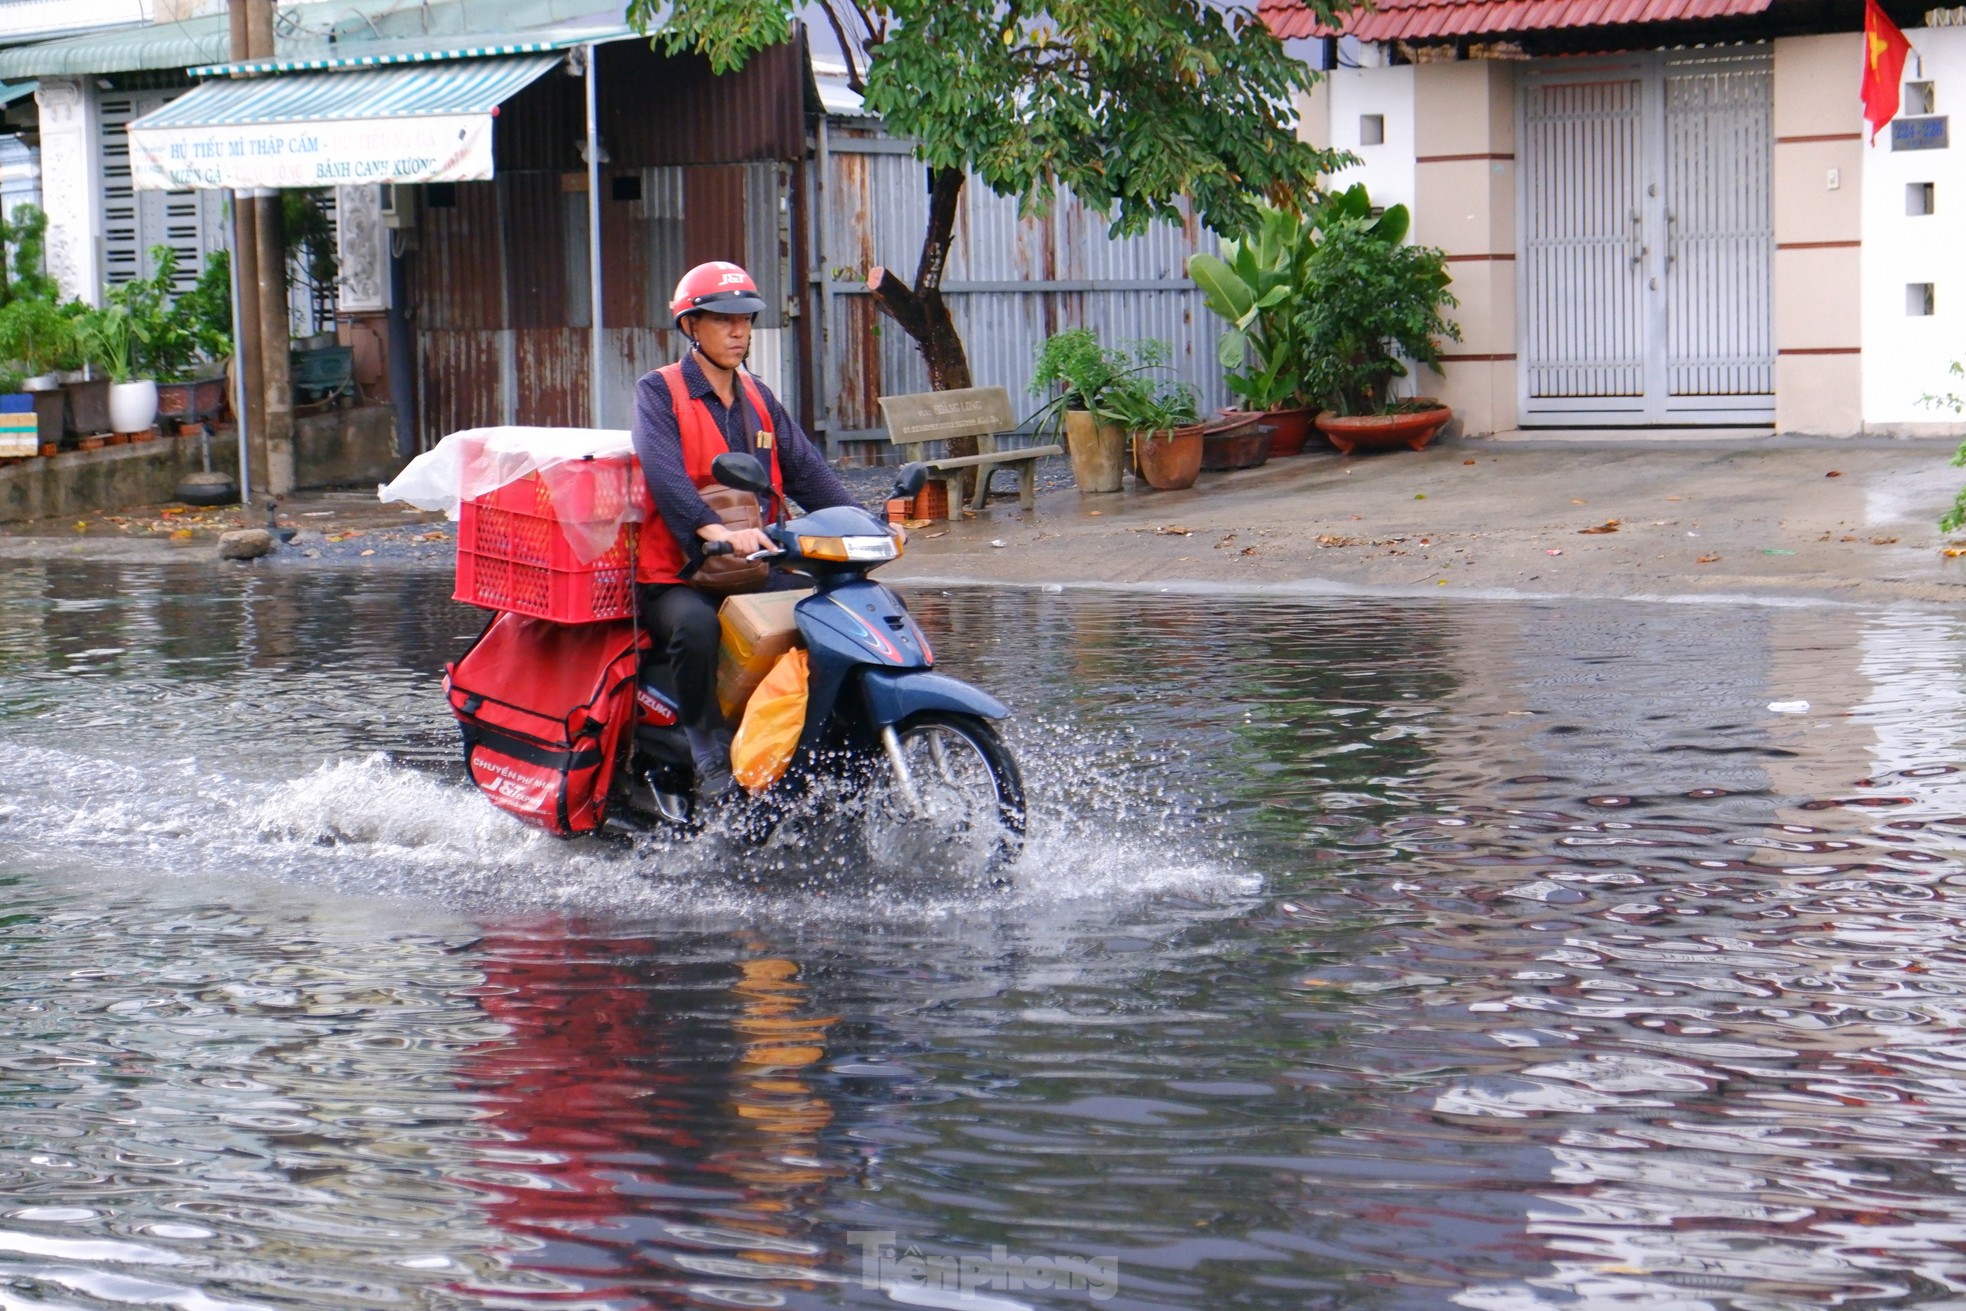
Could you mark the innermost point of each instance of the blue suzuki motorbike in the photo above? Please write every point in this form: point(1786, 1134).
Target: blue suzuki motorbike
point(916, 750)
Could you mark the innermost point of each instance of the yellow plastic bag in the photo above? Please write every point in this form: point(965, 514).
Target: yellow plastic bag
point(773, 720)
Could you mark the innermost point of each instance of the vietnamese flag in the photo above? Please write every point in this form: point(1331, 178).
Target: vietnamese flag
point(1885, 49)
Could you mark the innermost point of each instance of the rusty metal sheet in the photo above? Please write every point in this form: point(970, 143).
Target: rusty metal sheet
point(456, 247)
point(457, 382)
point(534, 222)
point(550, 376)
point(1416, 19)
point(625, 239)
point(658, 109)
point(713, 213)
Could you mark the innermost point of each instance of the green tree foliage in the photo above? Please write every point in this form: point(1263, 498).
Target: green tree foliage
point(1371, 303)
point(146, 332)
point(24, 275)
point(1129, 104)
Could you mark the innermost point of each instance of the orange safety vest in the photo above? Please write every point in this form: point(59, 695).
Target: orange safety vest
point(660, 557)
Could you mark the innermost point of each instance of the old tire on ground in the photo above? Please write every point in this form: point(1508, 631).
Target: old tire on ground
point(208, 489)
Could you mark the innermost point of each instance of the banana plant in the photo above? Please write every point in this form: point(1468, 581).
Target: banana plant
point(1251, 287)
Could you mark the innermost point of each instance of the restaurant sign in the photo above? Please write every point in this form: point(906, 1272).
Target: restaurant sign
point(319, 153)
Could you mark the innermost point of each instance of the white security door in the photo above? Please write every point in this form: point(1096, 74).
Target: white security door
point(1647, 241)
point(191, 223)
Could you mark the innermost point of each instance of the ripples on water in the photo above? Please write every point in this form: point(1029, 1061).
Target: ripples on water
point(1378, 954)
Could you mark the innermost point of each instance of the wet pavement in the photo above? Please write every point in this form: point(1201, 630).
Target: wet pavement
point(1389, 953)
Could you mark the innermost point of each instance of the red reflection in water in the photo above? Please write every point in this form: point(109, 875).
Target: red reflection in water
point(632, 1159)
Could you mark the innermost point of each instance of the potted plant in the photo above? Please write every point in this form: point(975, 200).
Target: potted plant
point(40, 339)
point(193, 387)
point(111, 337)
point(1163, 417)
point(1373, 304)
point(1255, 286)
point(1082, 369)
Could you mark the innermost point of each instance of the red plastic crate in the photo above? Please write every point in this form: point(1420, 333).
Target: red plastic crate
point(565, 596)
point(513, 553)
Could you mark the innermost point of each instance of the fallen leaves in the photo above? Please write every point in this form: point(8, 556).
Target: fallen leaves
point(1708, 559)
point(1834, 473)
point(1954, 552)
point(1608, 526)
point(1883, 541)
point(1173, 530)
point(1334, 539)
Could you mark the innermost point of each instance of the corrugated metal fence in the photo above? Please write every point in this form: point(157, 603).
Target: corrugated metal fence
point(1011, 282)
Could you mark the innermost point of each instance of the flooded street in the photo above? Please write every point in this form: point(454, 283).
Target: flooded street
point(1365, 953)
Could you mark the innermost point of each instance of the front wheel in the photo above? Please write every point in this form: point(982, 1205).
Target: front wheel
point(953, 802)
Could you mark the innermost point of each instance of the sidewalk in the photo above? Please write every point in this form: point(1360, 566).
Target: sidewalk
point(1775, 519)
point(1780, 520)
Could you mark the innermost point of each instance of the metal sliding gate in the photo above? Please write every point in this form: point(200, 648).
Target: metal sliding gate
point(1647, 241)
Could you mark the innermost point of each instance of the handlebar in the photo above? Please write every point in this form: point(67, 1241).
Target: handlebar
point(709, 549)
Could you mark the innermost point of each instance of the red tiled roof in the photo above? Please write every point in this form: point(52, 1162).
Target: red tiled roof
point(1408, 20)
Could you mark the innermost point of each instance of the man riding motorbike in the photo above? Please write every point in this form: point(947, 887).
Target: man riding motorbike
point(686, 414)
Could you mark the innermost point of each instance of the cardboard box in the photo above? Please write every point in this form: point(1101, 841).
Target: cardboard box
point(758, 627)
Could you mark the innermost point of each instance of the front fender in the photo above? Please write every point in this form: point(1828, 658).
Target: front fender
point(894, 694)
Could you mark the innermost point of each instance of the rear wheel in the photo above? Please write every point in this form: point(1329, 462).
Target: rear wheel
point(966, 812)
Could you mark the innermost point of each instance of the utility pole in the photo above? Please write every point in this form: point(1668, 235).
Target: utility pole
point(250, 392)
point(270, 243)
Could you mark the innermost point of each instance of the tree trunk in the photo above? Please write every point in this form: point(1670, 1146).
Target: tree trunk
point(920, 309)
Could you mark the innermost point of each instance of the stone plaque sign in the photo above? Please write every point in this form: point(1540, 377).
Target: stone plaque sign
point(930, 416)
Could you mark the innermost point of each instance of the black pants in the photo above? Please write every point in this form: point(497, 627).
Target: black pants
point(682, 623)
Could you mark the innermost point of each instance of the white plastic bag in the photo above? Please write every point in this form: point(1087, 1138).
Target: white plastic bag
point(478, 461)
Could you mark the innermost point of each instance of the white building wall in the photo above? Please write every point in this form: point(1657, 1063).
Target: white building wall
point(20, 175)
point(1387, 168)
point(22, 20)
point(1906, 354)
point(71, 189)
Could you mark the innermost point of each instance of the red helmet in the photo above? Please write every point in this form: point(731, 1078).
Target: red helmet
point(719, 286)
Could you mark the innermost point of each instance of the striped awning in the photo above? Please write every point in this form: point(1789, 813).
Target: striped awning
point(415, 123)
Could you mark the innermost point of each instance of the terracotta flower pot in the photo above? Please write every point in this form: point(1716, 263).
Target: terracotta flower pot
point(1241, 441)
point(1289, 430)
point(1414, 429)
point(1098, 452)
point(1169, 459)
point(194, 398)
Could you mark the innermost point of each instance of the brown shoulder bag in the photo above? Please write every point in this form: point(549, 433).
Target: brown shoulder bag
point(722, 575)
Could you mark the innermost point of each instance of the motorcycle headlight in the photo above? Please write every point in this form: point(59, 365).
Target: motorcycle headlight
point(844, 549)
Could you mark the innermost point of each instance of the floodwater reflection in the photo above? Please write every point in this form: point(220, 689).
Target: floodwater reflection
point(1388, 954)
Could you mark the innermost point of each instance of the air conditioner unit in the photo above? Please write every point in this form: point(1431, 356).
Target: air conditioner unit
point(398, 205)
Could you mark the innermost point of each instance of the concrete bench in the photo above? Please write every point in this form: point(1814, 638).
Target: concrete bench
point(979, 412)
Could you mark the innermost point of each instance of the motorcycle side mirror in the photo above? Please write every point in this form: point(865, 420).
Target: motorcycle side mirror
point(736, 469)
point(911, 479)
